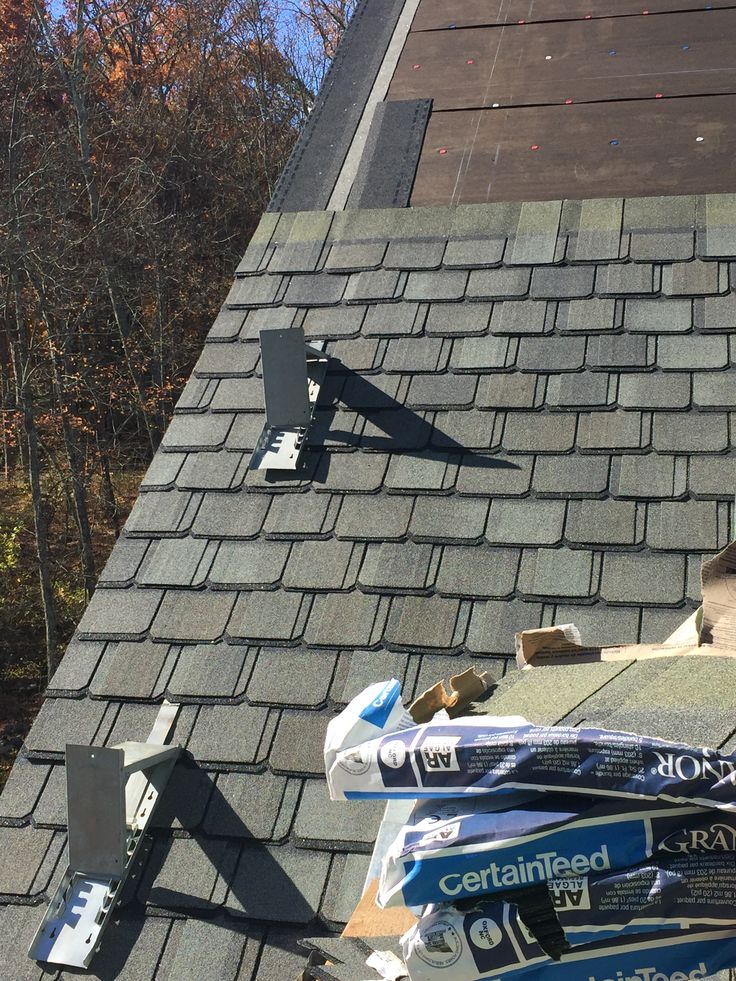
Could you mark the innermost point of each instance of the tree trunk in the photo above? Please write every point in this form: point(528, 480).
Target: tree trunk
point(74, 457)
point(108, 491)
point(34, 475)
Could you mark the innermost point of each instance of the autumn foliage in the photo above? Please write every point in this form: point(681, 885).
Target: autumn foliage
point(141, 140)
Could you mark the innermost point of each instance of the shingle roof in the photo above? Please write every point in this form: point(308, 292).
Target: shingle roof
point(507, 438)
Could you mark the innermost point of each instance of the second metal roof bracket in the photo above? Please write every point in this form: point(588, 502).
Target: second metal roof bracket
point(293, 373)
point(112, 793)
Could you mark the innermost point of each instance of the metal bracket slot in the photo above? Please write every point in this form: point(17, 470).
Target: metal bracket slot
point(112, 793)
point(293, 373)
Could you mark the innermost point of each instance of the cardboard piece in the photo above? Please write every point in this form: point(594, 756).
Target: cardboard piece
point(464, 689)
point(370, 921)
point(710, 631)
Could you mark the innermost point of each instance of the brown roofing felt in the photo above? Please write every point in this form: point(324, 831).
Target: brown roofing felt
point(481, 462)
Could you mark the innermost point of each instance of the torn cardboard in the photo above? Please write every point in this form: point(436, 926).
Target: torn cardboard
point(464, 689)
point(368, 920)
point(710, 631)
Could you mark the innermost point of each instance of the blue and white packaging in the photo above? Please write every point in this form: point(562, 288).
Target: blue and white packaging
point(486, 754)
point(470, 846)
point(671, 892)
point(377, 709)
point(475, 946)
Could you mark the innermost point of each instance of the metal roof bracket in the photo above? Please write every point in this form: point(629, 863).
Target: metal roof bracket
point(112, 793)
point(293, 372)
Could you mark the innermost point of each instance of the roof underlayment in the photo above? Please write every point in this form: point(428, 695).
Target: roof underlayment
point(524, 421)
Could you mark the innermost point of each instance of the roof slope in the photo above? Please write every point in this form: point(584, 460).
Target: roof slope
point(526, 419)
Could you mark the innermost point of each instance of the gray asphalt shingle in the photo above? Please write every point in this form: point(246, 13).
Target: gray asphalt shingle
point(451, 319)
point(525, 522)
point(423, 621)
point(323, 565)
point(587, 315)
point(601, 522)
point(188, 616)
point(637, 578)
point(296, 677)
point(280, 883)
point(658, 316)
point(468, 570)
point(626, 279)
point(228, 733)
point(394, 565)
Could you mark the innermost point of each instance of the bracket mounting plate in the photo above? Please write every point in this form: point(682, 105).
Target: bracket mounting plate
point(112, 794)
point(293, 373)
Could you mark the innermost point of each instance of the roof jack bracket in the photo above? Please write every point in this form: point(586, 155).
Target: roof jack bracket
point(293, 373)
point(111, 795)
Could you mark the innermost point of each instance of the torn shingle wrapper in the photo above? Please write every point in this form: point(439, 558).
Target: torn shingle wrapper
point(464, 689)
point(711, 630)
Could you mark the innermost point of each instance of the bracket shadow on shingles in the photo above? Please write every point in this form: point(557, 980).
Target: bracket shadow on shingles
point(396, 421)
point(269, 890)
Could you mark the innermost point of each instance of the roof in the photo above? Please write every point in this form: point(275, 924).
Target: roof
point(525, 420)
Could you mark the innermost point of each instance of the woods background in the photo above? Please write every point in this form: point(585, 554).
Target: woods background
point(141, 142)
